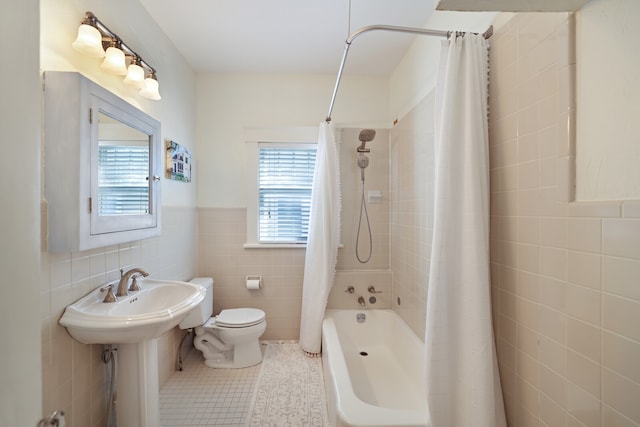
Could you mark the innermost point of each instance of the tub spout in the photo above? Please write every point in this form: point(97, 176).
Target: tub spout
point(361, 301)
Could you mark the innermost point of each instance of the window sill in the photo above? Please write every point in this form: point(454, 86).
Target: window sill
point(274, 245)
point(278, 245)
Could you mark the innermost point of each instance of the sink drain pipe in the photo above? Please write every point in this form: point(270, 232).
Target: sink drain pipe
point(109, 355)
point(180, 362)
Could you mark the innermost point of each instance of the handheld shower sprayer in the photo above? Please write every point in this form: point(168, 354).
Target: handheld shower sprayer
point(366, 135)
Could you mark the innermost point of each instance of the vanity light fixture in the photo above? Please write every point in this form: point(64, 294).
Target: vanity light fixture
point(92, 40)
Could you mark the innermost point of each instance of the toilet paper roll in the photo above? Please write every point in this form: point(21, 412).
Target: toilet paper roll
point(254, 284)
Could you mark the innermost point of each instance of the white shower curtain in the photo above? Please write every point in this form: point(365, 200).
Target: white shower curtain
point(462, 378)
point(322, 241)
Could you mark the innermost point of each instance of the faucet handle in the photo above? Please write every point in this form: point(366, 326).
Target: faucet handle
point(372, 290)
point(110, 297)
point(350, 290)
point(134, 283)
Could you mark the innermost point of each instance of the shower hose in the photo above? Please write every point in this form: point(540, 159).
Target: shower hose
point(363, 209)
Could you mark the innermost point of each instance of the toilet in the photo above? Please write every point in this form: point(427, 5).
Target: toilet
point(230, 339)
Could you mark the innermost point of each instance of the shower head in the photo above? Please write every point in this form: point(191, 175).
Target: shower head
point(365, 136)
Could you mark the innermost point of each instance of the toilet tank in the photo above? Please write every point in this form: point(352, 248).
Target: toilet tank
point(203, 311)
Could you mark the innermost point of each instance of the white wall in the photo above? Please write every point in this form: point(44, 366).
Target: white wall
point(415, 76)
point(228, 104)
point(608, 120)
point(20, 386)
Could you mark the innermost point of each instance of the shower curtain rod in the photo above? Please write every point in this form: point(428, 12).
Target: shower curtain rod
point(419, 31)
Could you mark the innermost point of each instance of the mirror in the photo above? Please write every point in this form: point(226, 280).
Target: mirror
point(125, 145)
point(123, 169)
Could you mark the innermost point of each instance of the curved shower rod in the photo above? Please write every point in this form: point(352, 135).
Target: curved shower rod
point(412, 30)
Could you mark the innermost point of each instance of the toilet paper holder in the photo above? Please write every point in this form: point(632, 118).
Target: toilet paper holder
point(253, 282)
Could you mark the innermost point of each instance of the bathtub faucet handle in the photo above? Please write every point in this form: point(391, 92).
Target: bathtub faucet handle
point(372, 290)
point(350, 290)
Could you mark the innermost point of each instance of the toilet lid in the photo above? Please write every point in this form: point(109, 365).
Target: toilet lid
point(239, 317)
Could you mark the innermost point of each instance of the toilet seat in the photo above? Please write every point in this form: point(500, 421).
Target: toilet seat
point(237, 318)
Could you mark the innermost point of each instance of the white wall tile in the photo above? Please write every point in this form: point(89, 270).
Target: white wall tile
point(621, 237)
point(620, 277)
point(621, 355)
point(621, 315)
point(621, 394)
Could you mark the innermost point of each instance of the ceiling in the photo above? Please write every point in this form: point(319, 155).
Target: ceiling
point(512, 5)
point(288, 36)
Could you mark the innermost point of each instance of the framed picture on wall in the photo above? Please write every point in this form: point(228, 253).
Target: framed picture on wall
point(178, 162)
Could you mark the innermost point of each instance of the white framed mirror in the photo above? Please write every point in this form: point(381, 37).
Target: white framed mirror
point(103, 163)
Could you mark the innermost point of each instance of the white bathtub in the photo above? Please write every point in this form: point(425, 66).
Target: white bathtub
point(373, 371)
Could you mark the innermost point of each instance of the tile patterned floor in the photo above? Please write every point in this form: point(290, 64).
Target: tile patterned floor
point(286, 389)
point(201, 396)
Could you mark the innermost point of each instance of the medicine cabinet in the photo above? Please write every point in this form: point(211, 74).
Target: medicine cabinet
point(102, 166)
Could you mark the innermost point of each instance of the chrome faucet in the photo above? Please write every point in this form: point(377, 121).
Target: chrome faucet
point(123, 284)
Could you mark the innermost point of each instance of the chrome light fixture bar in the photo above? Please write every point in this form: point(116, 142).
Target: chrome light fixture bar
point(96, 40)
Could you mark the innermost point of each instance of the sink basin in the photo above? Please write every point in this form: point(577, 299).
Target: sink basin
point(142, 315)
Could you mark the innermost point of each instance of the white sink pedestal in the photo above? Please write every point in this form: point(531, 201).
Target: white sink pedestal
point(138, 392)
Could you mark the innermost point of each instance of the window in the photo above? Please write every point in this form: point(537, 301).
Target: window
point(280, 163)
point(285, 177)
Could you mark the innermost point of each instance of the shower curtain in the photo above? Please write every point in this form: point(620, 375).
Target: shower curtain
point(462, 378)
point(322, 241)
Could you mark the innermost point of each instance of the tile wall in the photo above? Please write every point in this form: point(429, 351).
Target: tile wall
point(221, 236)
point(566, 295)
point(412, 190)
point(376, 177)
point(74, 378)
point(350, 271)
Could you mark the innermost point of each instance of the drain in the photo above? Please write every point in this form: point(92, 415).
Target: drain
point(364, 353)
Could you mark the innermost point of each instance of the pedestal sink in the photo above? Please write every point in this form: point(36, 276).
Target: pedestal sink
point(134, 323)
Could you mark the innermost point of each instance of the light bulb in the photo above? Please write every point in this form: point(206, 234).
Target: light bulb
point(135, 76)
point(114, 62)
point(150, 89)
point(89, 41)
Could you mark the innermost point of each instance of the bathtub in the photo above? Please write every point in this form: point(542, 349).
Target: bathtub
point(373, 371)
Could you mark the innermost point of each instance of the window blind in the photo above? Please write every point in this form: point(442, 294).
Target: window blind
point(123, 180)
point(285, 178)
